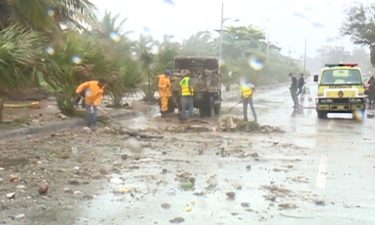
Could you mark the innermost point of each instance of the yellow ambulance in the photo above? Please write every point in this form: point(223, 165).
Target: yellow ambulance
point(340, 90)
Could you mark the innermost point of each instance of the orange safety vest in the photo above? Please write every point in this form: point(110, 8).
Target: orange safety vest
point(164, 85)
point(93, 93)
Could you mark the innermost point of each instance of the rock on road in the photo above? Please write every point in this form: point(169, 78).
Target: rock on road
point(315, 172)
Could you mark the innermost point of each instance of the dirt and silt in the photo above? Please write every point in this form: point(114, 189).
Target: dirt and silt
point(193, 173)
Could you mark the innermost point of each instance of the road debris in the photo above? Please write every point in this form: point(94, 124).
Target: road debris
point(11, 195)
point(177, 220)
point(43, 188)
point(231, 195)
point(166, 205)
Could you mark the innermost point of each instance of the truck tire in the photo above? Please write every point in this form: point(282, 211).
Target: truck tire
point(217, 108)
point(322, 114)
point(205, 106)
point(202, 110)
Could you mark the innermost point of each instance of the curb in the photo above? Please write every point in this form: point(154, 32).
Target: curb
point(23, 133)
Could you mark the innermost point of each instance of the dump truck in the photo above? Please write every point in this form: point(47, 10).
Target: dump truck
point(206, 82)
point(340, 90)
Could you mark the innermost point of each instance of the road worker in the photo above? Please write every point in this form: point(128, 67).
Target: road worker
point(247, 92)
point(93, 94)
point(165, 91)
point(187, 93)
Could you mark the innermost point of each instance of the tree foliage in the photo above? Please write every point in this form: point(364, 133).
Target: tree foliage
point(44, 15)
point(360, 24)
point(20, 57)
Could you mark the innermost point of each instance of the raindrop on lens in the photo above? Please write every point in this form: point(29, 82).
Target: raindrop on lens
point(358, 115)
point(256, 63)
point(115, 36)
point(50, 50)
point(221, 62)
point(76, 59)
point(51, 12)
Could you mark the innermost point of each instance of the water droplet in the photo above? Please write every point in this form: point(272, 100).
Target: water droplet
point(256, 63)
point(115, 36)
point(51, 12)
point(358, 115)
point(146, 29)
point(50, 50)
point(221, 62)
point(76, 59)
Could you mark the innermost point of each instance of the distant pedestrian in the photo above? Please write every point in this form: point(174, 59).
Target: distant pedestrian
point(187, 94)
point(371, 92)
point(93, 94)
point(301, 84)
point(293, 90)
point(247, 92)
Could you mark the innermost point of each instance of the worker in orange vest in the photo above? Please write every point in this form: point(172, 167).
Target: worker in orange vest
point(93, 94)
point(165, 91)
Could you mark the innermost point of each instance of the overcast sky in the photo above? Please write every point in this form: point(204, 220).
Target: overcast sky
point(287, 22)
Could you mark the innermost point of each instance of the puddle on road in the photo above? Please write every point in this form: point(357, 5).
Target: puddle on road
point(14, 162)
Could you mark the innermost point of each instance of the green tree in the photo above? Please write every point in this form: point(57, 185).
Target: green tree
point(242, 41)
point(360, 26)
point(144, 51)
point(20, 57)
point(201, 44)
point(125, 70)
point(80, 57)
point(246, 53)
point(46, 15)
point(167, 51)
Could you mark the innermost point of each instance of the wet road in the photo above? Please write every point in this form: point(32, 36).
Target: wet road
point(317, 172)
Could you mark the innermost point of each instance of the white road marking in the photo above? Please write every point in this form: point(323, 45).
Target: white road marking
point(321, 177)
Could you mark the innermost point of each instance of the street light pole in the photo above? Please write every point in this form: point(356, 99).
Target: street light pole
point(304, 58)
point(268, 46)
point(221, 35)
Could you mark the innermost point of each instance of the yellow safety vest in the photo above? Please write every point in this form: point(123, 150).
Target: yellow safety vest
point(185, 90)
point(246, 91)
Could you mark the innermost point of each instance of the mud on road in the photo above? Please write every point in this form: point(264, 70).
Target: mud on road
point(89, 175)
point(190, 173)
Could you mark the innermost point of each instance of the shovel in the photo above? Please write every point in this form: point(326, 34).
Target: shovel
point(230, 109)
point(175, 102)
point(127, 130)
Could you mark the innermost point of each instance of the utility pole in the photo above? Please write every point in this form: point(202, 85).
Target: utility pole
point(304, 58)
point(221, 35)
point(268, 46)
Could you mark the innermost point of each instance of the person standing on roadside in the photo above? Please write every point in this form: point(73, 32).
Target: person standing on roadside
point(93, 94)
point(247, 92)
point(371, 91)
point(301, 84)
point(293, 90)
point(165, 91)
point(187, 94)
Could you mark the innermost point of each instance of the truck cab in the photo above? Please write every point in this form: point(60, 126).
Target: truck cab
point(340, 90)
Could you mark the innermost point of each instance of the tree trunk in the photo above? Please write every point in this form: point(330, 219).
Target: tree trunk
point(372, 55)
point(227, 87)
point(1, 108)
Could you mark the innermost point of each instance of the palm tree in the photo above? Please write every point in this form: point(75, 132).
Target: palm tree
point(125, 70)
point(78, 59)
point(46, 15)
point(20, 55)
point(150, 67)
